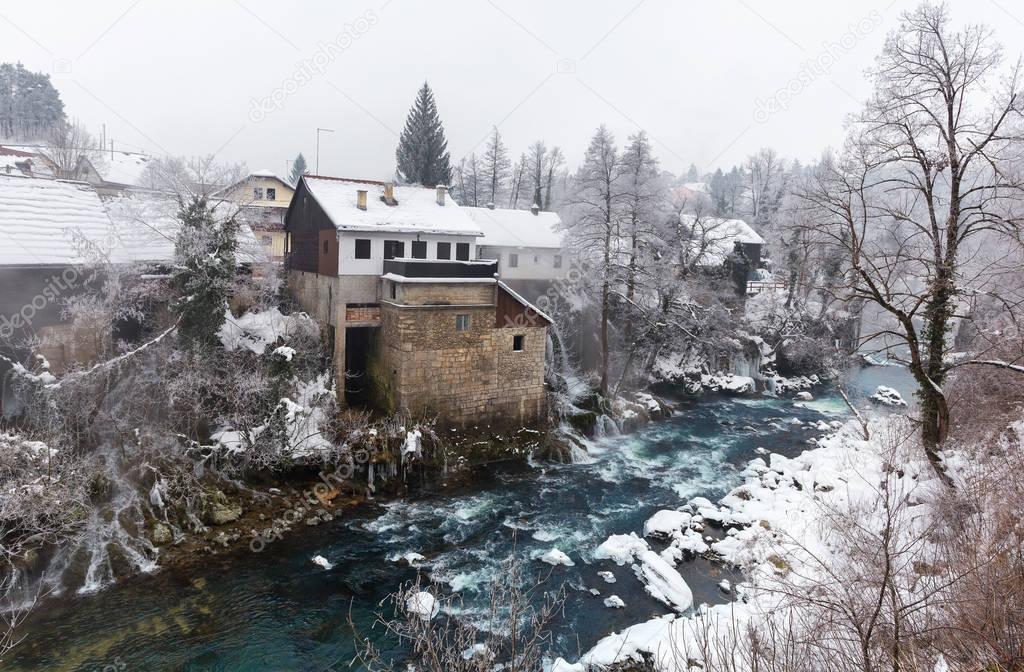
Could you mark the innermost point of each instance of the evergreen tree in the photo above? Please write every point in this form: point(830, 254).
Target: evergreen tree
point(204, 271)
point(298, 169)
point(692, 174)
point(30, 106)
point(422, 153)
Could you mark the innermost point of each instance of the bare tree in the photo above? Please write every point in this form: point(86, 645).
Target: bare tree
point(515, 634)
point(497, 168)
point(71, 150)
point(594, 228)
point(922, 179)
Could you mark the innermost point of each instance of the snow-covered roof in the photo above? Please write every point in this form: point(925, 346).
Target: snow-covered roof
point(115, 167)
point(517, 228)
point(145, 228)
point(122, 167)
point(17, 161)
point(417, 210)
point(266, 172)
point(47, 222)
point(51, 222)
point(720, 235)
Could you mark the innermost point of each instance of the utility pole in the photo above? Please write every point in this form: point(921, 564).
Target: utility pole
point(318, 132)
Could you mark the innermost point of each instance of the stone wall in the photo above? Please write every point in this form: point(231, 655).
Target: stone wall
point(470, 377)
point(430, 293)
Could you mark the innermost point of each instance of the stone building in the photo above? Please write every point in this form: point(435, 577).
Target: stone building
point(416, 322)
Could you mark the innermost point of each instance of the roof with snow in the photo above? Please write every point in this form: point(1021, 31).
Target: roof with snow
point(122, 167)
point(47, 222)
point(416, 211)
point(145, 228)
point(19, 162)
point(517, 228)
point(720, 235)
point(51, 222)
point(266, 172)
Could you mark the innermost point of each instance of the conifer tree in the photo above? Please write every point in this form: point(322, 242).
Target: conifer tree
point(299, 169)
point(422, 153)
point(204, 271)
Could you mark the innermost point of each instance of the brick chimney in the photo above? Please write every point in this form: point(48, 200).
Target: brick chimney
point(535, 209)
point(389, 193)
point(441, 191)
point(361, 199)
point(490, 205)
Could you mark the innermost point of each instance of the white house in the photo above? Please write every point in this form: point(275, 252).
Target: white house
point(715, 238)
point(343, 228)
point(526, 243)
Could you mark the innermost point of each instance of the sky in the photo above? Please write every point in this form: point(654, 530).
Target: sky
point(252, 80)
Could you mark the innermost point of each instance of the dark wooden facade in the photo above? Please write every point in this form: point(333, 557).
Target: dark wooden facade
point(511, 312)
point(309, 228)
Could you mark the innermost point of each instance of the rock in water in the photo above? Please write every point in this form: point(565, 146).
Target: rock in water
point(614, 602)
point(887, 397)
point(422, 604)
point(323, 562)
point(804, 396)
point(556, 557)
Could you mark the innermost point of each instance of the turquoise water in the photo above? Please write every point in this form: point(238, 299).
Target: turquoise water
point(276, 610)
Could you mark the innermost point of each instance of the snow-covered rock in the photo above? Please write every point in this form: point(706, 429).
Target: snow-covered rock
point(804, 396)
point(663, 582)
point(322, 562)
point(665, 522)
point(422, 604)
point(614, 602)
point(556, 557)
point(887, 397)
point(607, 576)
point(621, 548)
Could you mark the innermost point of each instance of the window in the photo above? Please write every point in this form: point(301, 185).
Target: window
point(362, 248)
point(325, 247)
point(266, 241)
point(444, 250)
point(271, 194)
point(558, 261)
point(462, 251)
point(517, 343)
point(257, 193)
point(394, 249)
point(513, 261)
point(394, 290)
point(462, 323)
point(536, 259)
point(419, 249)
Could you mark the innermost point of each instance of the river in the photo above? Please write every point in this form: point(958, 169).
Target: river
point(276, 610)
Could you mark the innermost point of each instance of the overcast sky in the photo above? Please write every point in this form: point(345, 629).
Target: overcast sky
point(251, 80)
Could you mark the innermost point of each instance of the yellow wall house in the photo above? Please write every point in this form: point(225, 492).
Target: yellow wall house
point(264, 198)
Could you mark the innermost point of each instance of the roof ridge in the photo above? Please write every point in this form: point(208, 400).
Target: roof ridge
point(347, 179)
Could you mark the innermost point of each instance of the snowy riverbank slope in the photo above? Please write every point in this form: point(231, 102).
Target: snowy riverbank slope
point(803, 530)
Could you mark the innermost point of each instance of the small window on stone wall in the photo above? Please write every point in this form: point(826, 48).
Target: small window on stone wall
point(394, 290)
point(517, 343)
point(462, 323)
